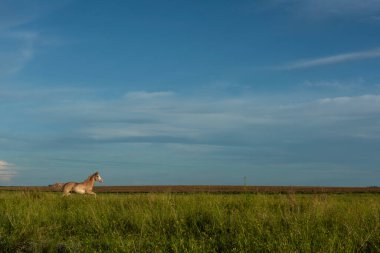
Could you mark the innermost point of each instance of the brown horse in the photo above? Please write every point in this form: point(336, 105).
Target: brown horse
point(82, 188)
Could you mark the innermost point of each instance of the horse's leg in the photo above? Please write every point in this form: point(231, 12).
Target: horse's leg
point(67, 189)
point(66, 192)
point(91, 193)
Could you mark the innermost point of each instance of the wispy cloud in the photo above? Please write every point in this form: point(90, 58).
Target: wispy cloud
point(242, 120)
point(337, 85)
point(327, 9)
point(244, 131)
point(11, 94)
point(165, 116)
point(15, 13)
point(338, 8)
point(7, 171)
point(19, 44)
point(148, 95)
point(333, 59)
point(22, 51)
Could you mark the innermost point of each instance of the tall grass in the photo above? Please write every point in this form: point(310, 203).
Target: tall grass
point(46, 222)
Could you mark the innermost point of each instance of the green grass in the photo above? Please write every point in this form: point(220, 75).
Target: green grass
point(46, 222)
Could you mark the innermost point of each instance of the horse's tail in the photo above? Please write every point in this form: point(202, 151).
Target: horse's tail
point(57, 186)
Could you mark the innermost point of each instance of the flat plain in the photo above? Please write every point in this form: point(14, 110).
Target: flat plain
point(42, 221)
point(207, 189)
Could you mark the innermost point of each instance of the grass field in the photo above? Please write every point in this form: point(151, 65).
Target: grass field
point(206, 188)
point(33, 221)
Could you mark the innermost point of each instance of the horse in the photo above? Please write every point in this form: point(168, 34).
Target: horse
point(82, 188)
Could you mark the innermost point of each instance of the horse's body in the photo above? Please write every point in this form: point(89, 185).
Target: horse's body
point(82, 188)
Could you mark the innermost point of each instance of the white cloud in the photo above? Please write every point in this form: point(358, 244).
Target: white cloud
point(21, 51)
point(138, 130)
point(148, 95)
point(166, 117)
point(242, 120)
point(333, 59)
point(15, 13)
point(10, 93)
point(245, 131)
point(7, 171)
point(354, 106)
point(338, 8)
point(3, 164)
point(327, 9)
point(339, 85)
point(18, 46)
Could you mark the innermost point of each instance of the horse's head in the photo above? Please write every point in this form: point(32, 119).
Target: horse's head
point(97, 177)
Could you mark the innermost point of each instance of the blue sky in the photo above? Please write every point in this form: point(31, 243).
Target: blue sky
point(284, 92)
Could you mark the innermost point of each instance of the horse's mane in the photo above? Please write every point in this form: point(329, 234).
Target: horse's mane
point(93, 175)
